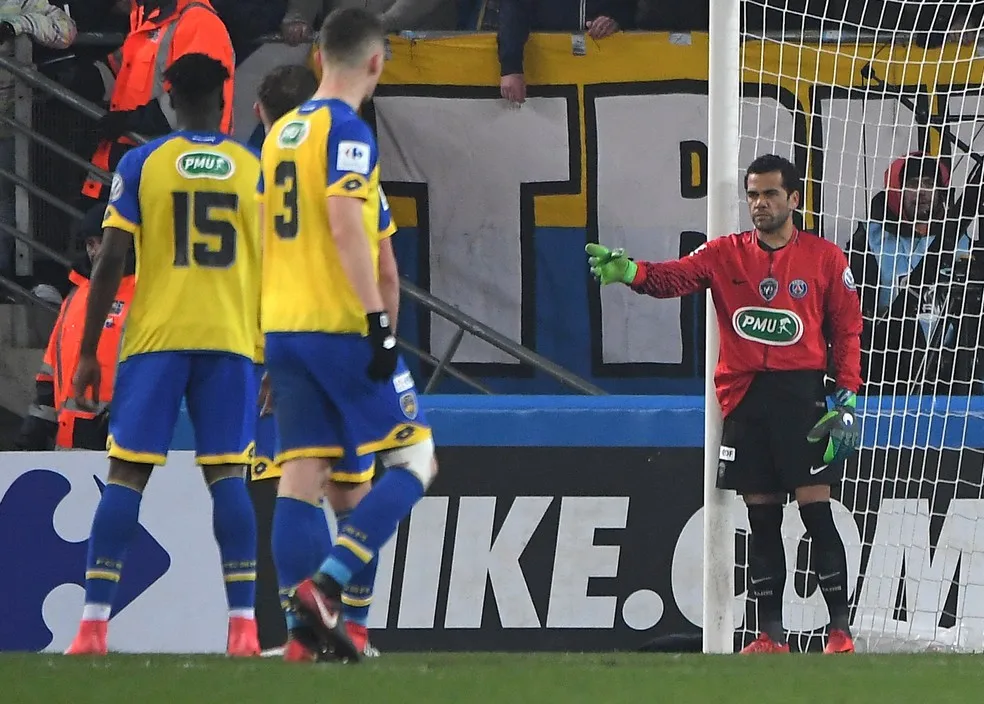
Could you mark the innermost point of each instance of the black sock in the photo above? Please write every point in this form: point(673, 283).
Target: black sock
point(767, 567)
point(829, 561)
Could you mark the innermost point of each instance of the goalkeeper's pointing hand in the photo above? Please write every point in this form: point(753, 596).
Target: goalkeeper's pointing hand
point(839, 428)
point(610, 266)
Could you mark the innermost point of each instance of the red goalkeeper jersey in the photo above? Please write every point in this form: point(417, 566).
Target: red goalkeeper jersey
point(777, 310)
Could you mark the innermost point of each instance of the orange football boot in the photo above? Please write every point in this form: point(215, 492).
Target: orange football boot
point(839, 641)
point(243, 641)
point(90, 640)
point(765, 644)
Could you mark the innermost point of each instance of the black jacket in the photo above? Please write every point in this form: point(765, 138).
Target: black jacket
point(517, 18)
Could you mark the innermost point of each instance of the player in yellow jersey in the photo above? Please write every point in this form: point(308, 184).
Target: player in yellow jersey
point(280, 91)
point(191, 335)
point(339, 385)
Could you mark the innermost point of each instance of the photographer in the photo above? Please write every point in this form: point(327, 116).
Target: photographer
point(910, 261)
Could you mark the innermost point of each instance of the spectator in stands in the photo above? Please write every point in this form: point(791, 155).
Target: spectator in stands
point(49, 26)
point(517, 18)
point(904, 259)
point(160, 32)
point(54, 420)
point(397, 15)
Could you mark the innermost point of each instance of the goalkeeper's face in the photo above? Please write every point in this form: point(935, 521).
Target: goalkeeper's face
point(769, 203)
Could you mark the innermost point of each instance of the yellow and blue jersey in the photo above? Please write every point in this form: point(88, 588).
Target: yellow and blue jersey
point(188, 201)
point(319, 150)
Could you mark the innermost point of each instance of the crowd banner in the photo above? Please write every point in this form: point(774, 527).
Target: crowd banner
point(499, 200)
point(556, 523)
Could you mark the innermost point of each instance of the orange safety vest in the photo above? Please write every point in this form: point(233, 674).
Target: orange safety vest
point(62, 356)
point(152, 45)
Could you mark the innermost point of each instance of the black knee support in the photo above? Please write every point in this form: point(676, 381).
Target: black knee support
point(767, 567)
point(829, 560)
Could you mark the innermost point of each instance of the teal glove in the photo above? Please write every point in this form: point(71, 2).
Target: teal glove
point(610, 266)
point(839, 427)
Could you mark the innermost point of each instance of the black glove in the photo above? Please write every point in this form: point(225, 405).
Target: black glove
point(7, 32)
point(114, 123)
point(383, 343)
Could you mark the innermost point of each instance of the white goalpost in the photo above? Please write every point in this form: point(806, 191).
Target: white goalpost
point(884, 116)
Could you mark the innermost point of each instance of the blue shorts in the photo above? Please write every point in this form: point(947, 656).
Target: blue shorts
point(220, 392)
point(349, 469)
point(326, 406)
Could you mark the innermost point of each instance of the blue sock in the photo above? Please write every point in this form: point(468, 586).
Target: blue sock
point(357, 597)
point(234, 525)
point(371, 524)
point(300, 539)
point(113, 527)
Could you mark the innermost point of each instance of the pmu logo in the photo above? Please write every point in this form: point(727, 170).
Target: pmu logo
point(36, 560)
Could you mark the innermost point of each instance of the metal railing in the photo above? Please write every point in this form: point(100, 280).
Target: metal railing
point(442, 366)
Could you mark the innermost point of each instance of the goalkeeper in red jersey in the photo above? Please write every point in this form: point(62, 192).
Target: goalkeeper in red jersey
point(782, 296)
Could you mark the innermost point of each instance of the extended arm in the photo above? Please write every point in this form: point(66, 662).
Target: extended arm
point(105, 282)
point(670, 279)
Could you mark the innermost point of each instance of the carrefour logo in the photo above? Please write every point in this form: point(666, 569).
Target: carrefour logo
point(769, 326)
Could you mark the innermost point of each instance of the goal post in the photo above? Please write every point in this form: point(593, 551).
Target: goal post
point(884, 117)
point(724, 73)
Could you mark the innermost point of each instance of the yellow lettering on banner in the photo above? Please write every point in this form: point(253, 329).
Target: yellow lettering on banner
point(640, 58)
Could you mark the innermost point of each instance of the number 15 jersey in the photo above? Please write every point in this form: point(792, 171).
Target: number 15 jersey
point(188, 200)
point(321, 149)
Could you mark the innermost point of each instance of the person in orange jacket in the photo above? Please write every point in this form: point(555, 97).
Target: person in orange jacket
point(54, 419)
point(160, 32)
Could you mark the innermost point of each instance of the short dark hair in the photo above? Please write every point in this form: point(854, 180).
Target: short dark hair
point(347, 33)
point(770, 163)
point(193, 78)
point(284, 88)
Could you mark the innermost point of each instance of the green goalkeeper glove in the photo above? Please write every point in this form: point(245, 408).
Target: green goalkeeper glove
point(610, 266)
point(839, 427)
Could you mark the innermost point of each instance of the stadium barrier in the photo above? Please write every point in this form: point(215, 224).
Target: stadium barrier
point(557, 523)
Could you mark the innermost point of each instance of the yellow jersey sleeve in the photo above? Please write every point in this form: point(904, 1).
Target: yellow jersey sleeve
point(351, 159)
point(387, 228)
point(123, 211)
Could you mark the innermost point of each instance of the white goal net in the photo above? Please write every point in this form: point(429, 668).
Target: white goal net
point(882, 111)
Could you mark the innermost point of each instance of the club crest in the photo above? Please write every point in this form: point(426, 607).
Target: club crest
point(768, 288)
point(798, 288)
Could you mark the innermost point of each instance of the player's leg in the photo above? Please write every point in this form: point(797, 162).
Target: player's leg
point(221, 401)
point(385, 418)
point(746, 466)
point(300, 534)
point(145, 409)
point(351, 480)
point(805, 474)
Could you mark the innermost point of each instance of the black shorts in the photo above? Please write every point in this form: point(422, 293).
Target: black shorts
point(764, 449)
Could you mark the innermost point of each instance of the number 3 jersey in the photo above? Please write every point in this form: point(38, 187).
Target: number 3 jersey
point(320, 150)
point(777, 309)
point(188, 200)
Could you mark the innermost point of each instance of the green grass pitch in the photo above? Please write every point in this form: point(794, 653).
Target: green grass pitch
point(476, 678)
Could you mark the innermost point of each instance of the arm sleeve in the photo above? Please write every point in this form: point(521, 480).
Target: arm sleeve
point(351, 159)
point(676, 278)
point(864, 268)
point(622, 11)
point(514, 30)
point(306, 10)
point(387, 228)
point(123, 211)
point(405, 13)
point(47, 24)
point(842, 320)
